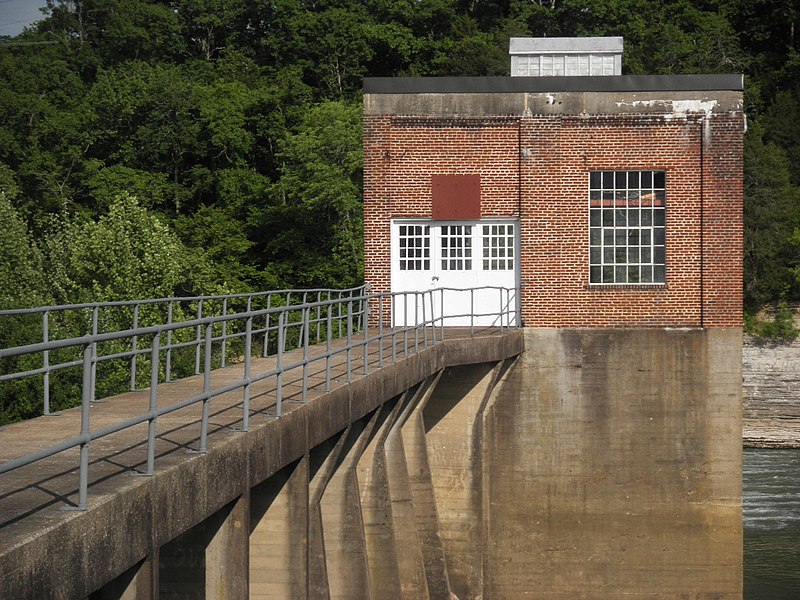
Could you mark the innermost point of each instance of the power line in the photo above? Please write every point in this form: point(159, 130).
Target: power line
point(49, 43)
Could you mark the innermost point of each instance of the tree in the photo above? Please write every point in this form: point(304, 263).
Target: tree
point(125, 254)
point(22, 282)
point(104, 32)
point(781, 124)
point(772, 216)
point(313, 226)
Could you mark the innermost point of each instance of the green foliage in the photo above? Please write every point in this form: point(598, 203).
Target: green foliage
point(781, 123)
point(771, 216)
point(237, 123)
point(127, 253)
point(780, 327)
point(315, 211)
point(22, 280)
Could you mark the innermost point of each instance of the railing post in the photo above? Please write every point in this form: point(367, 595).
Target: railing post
point(441, 320)
point(265, 352)
point(198, 340)
point(224, 331)
point(349, 338)
point(380, 330)
point(95, 330)
point(405, 324)
point(424, 323)
point(433, 316)
point(365, 317)
point(134, 343)
point(306, 322)
point(319, 314)
point(46, 364)
point(303, 323)
point(501, 308)
point(279, 365)
point(86, 401)
point(286, 320)
point(168, 366)
point(328, 348)
point(416, 319)
point(393, 316)
point(151, 426)
point(206, 389)
point(248, 349)
point(339, 316)
point(472, 312)
point(360, 313)
point(89, 373)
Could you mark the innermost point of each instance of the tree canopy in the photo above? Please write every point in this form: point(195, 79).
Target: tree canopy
point(229, 130)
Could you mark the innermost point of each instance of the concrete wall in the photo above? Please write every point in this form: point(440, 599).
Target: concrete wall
point(598, 464)
point(249, 498)
point(614, 468)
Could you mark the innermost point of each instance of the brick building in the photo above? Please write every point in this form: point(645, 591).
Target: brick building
point(605, 200)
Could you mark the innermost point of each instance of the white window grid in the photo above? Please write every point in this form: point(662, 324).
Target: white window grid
point(560, 64)
point(498, 247)
point(415, 247)
point(456, 241)
point(627, 227)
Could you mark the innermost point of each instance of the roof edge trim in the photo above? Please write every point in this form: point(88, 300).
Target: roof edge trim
point(614, 83)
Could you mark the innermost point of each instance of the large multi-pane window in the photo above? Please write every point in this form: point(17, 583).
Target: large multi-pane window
point(627, 227)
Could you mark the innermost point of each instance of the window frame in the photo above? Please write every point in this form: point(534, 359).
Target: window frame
point(626, 207)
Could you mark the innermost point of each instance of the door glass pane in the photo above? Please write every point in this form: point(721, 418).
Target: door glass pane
point(456, 244)
point(415, 247)
point(498, 247)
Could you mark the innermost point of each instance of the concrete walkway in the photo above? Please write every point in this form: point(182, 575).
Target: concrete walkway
point(31, 497)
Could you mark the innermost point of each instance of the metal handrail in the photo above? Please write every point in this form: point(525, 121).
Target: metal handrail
point(353, 313)
point(111, 303)
point(285, 297)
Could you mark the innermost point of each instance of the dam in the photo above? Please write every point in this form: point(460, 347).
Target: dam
point(493, 462)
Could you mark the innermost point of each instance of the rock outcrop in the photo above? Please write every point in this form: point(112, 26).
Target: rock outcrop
point(771, 374)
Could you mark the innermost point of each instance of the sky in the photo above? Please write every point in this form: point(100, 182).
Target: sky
point(16, 14)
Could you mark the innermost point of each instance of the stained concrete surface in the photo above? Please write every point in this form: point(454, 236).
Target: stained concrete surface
point(614, 467)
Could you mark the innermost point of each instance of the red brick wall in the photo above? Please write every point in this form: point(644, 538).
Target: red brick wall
point(551, 176)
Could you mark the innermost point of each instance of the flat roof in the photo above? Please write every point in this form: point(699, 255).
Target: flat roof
point(564, 45)
point(607, 83)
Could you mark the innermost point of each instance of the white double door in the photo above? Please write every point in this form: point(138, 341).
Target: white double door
point(472, 266)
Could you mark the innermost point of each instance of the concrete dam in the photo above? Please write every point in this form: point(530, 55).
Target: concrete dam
point(527, 463)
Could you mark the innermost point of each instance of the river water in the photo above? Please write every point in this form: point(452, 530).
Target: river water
point(771, 524)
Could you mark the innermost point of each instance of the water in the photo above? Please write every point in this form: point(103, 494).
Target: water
point(771, 524)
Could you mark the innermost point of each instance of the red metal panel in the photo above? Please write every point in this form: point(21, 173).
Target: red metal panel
point(456, 197)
